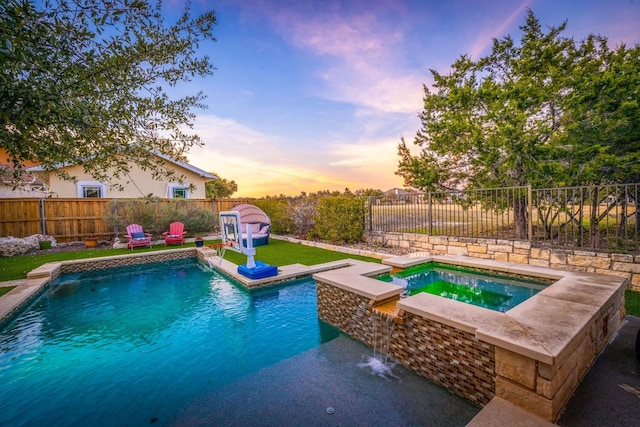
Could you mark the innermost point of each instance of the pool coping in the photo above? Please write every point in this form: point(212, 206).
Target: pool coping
point(544, 328)
point(285, 273)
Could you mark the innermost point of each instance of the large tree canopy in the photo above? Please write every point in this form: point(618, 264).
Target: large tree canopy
point(83, 82)
point(547, 112)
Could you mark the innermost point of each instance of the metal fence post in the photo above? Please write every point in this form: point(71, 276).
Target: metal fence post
point(430, 216)
point(43, 220)
point(116, 219)
point(529, 213)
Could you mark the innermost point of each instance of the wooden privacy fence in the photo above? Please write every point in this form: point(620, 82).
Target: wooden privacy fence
point(70, 219)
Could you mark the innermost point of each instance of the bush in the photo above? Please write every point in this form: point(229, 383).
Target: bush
point(279, 212)
point(120, 213)
point(339, 219)
point(334, 218)
point(155, 215)
point(304, 212)
point(196, 220)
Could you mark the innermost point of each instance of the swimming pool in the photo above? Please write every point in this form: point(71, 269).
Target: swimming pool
point(136, 346)
point(492, 291)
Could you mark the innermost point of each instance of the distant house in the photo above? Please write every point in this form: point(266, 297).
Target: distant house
point(400, 195)
point(396, 192)
point(137, 183)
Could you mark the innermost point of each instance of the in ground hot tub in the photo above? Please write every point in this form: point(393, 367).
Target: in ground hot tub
point(533, 355)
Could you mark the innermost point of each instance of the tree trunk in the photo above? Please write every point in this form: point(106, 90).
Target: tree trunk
point(520, 216)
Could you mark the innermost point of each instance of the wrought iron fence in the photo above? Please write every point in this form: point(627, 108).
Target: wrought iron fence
point(600, 218)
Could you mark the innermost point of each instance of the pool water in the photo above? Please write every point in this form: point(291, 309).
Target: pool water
point(137, 347)
point(492, 291)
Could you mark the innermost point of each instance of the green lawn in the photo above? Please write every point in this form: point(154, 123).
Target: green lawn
point(281, 252)
point(277, 252)
point(5, 289)
point(17, 267)
point(632, 301)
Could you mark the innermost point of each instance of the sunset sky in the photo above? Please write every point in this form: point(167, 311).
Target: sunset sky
point(315, 95)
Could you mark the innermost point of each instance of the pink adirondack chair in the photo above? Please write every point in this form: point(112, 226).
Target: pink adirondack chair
point(175, 235)
point(137, 237)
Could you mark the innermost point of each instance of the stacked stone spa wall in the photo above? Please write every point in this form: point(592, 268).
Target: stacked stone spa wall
point(447, 356)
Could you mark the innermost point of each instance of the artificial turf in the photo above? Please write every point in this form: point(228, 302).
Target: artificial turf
point(277, 252)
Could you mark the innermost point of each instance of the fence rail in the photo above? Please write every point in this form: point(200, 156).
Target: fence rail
point(600, 218)
point(71, 219)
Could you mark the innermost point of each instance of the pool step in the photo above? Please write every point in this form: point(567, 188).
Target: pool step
point(388, 308)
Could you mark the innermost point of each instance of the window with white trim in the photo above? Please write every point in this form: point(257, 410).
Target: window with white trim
point(178, 191)
point(91, 189)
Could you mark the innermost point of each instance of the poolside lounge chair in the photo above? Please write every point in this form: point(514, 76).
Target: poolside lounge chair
point(137, 237)
point(175, 235)
point(259, 222)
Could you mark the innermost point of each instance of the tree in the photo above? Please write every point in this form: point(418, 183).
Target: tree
point(220, 188)
point(514, 117)
point(603, 115)
point(82, 83)
point(369, 192)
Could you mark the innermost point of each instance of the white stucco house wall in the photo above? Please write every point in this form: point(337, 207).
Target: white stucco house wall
point(138, 183)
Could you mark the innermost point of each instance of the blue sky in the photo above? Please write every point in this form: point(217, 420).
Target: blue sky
point(314, 95)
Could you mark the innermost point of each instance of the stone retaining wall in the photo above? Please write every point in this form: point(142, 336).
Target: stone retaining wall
point(520, 252)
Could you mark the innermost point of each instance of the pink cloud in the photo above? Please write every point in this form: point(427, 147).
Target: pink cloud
point(343, 30)
point(485, 39)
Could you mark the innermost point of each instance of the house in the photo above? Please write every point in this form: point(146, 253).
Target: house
point(400, 195)
point(137, 183)
point(31, 185)
point(395, 192)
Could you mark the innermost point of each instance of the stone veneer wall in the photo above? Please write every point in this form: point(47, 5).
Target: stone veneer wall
point(520, 252)
point(455, 359)
point(124, 260)
point(544, 389)
point(344, 310)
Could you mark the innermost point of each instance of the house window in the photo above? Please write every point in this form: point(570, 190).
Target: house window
point(178, 191)
point(91, 189)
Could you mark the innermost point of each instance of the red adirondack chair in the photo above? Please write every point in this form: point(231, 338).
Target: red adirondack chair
point(137, 237)
point(175, 235)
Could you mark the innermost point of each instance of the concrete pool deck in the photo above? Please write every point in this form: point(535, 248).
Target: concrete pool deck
point(297, 392)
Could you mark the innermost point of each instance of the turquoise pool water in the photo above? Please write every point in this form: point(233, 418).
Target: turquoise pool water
point(136, 347)
point(492, 291)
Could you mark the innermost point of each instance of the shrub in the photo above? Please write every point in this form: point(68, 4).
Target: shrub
point(335, 218)
point(279, 211)
point(196, 220)
point(304, 211)
point(155, 215)
point(120, 213)
point(339, 219)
